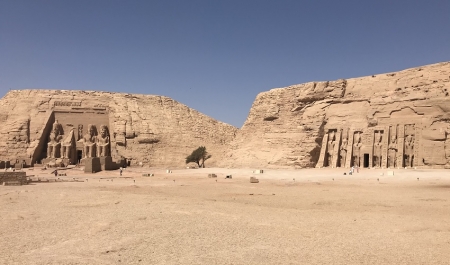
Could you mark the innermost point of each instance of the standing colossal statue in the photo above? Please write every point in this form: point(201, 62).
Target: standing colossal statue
point(330, 147)
point(409, 150)
point(343, 151)
point(356, 149)
point(377, 147)
point(392, 153)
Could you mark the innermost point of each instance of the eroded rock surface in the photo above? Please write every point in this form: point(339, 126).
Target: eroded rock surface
point(396, 119)
point(147, 130)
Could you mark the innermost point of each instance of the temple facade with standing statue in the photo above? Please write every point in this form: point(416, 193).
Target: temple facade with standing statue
point(392, 146)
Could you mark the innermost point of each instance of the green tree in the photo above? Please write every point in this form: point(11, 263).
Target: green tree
point(199, 156)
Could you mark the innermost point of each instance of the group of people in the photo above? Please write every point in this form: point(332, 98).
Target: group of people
point(352, 170)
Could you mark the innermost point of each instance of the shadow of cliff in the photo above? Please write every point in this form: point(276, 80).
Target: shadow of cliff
point(315, 152)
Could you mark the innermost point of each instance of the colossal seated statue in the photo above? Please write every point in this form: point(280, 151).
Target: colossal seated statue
point(54, 143)
point(89, 140)
point(103, 144)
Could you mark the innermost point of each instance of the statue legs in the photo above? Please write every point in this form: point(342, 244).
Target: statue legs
point(377, 161)
point(100, 150)
point(49, 151)
point(356, 161)
point(88, 151)
point(103, 150)
point(66, 151)
point(52, 150)
point(343, 157)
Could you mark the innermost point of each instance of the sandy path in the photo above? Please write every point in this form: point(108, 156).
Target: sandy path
point(186, 218)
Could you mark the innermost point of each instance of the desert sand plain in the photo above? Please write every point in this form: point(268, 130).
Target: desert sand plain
point(308, 216)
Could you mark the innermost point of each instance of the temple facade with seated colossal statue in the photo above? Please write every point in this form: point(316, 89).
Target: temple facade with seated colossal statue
point(77, 138)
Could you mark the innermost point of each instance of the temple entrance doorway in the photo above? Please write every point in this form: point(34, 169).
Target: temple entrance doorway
point(366, 160)
point(79, 155)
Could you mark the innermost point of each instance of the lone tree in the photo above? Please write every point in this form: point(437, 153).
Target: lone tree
point(199, 156)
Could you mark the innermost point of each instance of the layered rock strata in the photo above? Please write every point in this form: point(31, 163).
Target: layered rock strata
point(392, 120)
point(144, 129)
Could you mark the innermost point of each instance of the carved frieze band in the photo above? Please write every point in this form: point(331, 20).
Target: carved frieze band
point(67, 103)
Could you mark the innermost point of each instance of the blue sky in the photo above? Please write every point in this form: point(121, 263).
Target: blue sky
point(213, 55)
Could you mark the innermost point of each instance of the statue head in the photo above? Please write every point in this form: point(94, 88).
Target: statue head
point(331, 135)
point(55, 127)
point(378, 136)
point(357, 137)
point(393, 139)
point(91, 129)
point(408, 138)
point(103, 131)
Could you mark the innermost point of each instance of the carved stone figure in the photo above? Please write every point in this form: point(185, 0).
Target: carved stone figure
point(409, 150)
point(54, 144)
point(89, 142)
point(80, 132)
point(103, 144)
point(447, 144)
point(392, 152)
point(377, 147)
point(356, 149)
point(343, 151)
point(67, 145)
point(330, 147)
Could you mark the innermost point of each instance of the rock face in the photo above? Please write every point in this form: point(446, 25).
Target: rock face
point(391, 120)
point(397, 119)
point(72, 125)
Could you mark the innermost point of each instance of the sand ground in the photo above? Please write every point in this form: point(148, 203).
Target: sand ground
point(310, 216)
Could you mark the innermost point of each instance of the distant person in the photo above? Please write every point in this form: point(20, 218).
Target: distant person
point(120, 171)
point(56, 173)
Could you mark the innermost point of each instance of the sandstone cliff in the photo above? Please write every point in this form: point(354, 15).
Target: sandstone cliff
point(286, 126)
point(152, 130)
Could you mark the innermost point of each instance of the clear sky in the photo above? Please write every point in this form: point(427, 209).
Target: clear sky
point(213, 55)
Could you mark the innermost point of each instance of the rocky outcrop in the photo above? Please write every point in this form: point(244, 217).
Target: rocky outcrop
point(306, 125)
point(396, 119)
point(148, 130)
